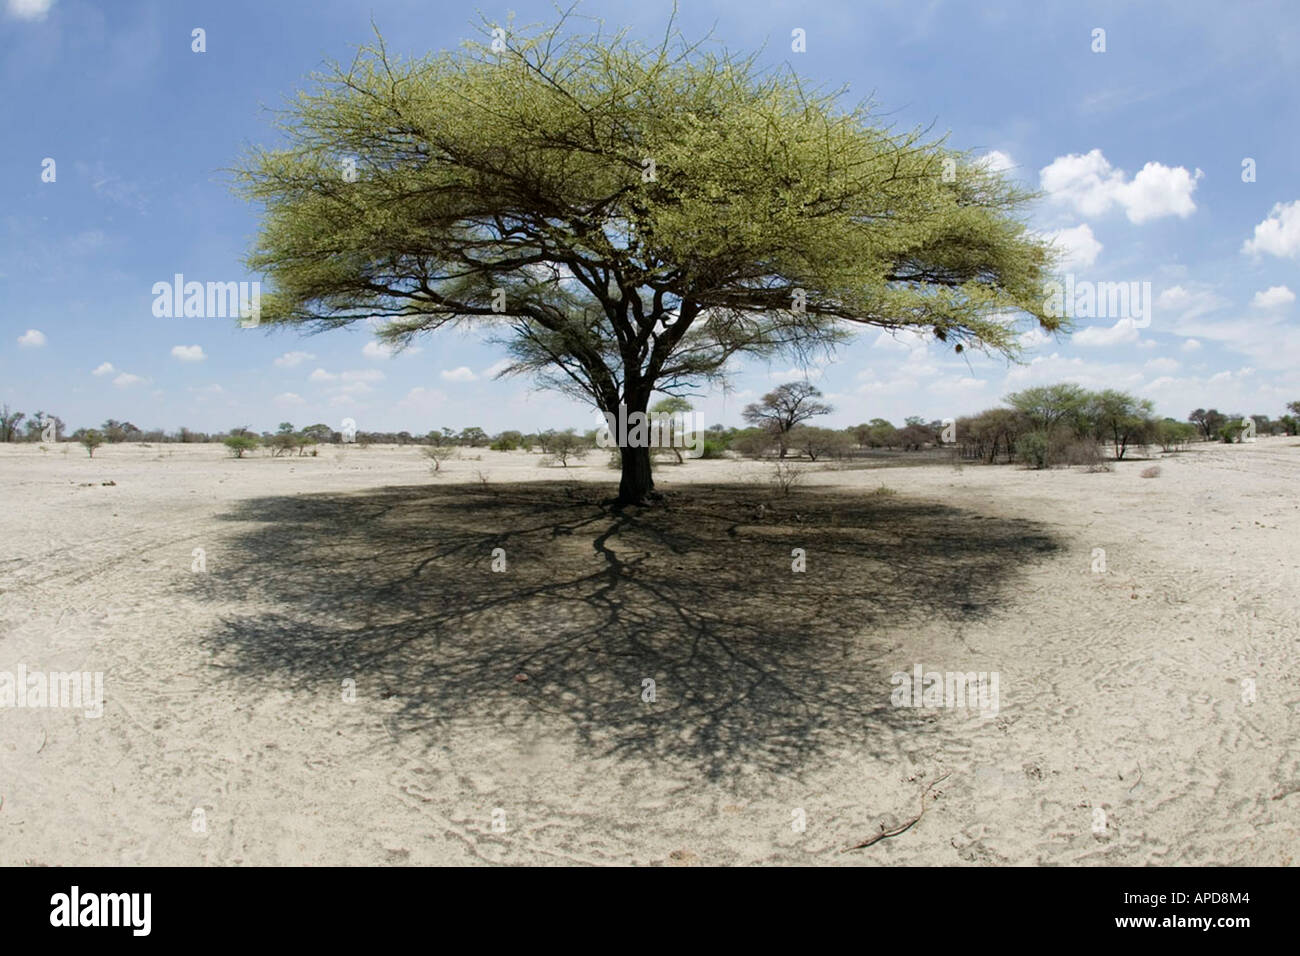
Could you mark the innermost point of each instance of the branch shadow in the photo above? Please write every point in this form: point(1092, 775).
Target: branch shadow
point(753, 665)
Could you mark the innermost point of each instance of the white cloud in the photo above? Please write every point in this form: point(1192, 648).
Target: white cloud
point(1188, 304)
point(29, 9)
point(126, 380)
point(105, 369)
point(320, 375)
point(1079, 247)
point(32, 339)
point(1034, 337)
point(1161, 365)
point(377, 350)
point(363, 375)
point(462, 374)
point(289, 398)
point(1123, 332)
point(496, 368)
point(293, 359)
point(1191, 345)
point(1272, 297)
point(1092, 187)
point(188, 353)
point(1279, 234)
point(996, 161)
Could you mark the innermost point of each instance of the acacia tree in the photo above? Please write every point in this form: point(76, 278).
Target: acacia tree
point(626, 217)
point(785, 407)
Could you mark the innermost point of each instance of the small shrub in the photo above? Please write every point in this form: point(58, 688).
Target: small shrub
point(1032, 449)
point(240, 444)
point(1152, 472)
point(91, 440)
point(713, 449)
point(785, 475)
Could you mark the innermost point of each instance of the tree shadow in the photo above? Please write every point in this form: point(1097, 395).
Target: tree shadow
point(753, 664)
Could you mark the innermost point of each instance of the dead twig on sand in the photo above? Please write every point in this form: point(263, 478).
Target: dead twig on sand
point(885, 834)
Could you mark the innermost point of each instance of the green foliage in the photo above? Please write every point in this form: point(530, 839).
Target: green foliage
point(1032, 449)
point(604, 209)
point(91, 440)
point(240, 445)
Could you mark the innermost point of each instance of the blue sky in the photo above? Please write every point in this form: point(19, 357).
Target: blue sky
point(1139, 148)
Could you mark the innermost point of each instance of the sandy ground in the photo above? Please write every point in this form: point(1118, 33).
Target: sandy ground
point(499, 716)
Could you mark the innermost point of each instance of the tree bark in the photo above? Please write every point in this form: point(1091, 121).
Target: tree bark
point(636, 484)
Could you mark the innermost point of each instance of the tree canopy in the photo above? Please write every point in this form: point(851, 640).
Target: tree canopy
point(627, 218)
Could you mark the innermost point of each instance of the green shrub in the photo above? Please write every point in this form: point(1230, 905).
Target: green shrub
point(1032, 449)
point(239, 444)
point(713, 449)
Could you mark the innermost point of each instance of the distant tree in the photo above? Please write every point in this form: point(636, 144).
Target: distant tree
point(1289, 424)
point(36, 427)
point(1210, 423)
point(239, 445)
point(753, 442)
point(1120, 418)
point(1293, 408)
point(820, 442)
point(783, 408)
point(1046, 407)
point(437, 454)
point(473, 436)
point(319, 433)
point(91, 440)
point(507, 441)
point(9, 421)
point(564, 445)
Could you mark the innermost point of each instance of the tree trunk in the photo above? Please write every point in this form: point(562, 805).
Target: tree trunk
point(636, 484)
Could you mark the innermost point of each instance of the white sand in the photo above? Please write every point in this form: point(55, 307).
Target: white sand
point(1123, 690)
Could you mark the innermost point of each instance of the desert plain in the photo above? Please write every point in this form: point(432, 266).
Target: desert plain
point(348, 659)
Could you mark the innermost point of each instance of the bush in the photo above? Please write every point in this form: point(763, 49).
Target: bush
point(1032, 449)
point(239, 444)
point(91, 440)
point(1151, 472)
point(1080, 451)
point(713, 449)
point(753, 442)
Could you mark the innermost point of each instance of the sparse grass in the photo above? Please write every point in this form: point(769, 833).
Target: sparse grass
point(1152, 472)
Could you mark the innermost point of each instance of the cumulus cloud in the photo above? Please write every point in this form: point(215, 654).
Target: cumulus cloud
point(293, 359)
point(1279, 234)
point(288, 399)
point(1092, 187)
point(996, 161)
point(1123, 332)
point(1273, 297)
point(1079, 247)
point(126, 380)
point(104, 369)
point(462, 374)
point(188, 353)
point(32, 339)
point(377, 350)
point(1191, 345)
point(1188, 303)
